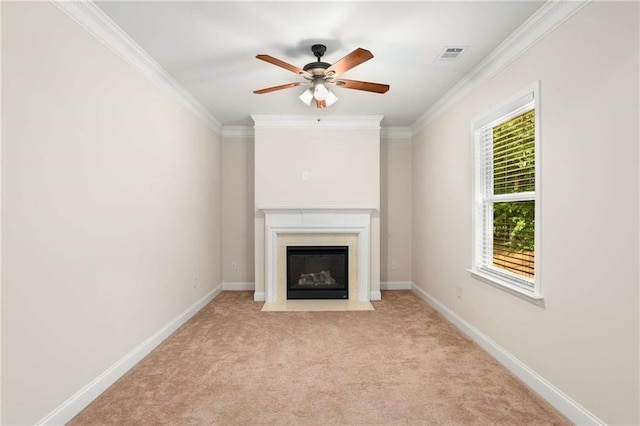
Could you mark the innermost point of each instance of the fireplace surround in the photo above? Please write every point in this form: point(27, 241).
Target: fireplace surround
point(317, 223)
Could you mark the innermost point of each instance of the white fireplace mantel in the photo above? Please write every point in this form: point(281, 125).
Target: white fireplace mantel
point(317, 220)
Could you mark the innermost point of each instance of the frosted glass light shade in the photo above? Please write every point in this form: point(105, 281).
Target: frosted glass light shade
point(320, 91)
point(306, 96)
point(331, 98)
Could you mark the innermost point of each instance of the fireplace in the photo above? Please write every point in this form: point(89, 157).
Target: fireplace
point(314, 226)
point(317, 272)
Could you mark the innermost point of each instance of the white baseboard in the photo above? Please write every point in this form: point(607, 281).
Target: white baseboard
point(375, 295)
point(562, 402)
point(258, 296)
point(72, 406)
point(395, 285)
point(238, 286)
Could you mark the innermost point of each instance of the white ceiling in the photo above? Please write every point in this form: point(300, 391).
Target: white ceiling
point(209, 47)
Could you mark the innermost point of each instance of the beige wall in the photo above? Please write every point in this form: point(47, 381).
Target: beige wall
point(584, 340)
point(395, 209)
point(237, 209)
point(343, 168)
point(110, 209)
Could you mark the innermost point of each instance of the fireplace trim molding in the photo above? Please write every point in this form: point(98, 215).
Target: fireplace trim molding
point(317, 220)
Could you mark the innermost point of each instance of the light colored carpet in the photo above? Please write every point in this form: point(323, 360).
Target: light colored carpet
point(399, 364)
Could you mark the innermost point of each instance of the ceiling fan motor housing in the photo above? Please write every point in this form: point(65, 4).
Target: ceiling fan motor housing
point(316, 68)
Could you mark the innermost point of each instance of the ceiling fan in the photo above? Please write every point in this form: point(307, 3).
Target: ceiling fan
point(319, 74)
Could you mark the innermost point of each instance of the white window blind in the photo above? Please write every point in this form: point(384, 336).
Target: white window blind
point(505, 195)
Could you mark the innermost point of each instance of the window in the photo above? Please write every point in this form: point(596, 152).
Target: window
point(506, 150)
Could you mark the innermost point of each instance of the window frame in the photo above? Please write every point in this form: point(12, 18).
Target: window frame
point(501, 113)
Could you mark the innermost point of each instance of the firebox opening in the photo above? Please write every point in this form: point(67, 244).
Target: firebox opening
point(317, 272)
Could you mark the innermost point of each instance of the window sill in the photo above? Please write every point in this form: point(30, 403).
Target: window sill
point(505, 286)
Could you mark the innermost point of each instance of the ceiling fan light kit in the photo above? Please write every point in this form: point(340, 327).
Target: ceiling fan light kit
point(319, 74)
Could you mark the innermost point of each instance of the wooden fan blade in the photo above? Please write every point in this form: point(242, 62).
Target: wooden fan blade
point(363, 85)
point(321, 104)
point(283, 64)
point(274, 88)
point(353, 59)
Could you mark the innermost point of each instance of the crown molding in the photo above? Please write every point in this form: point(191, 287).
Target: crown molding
point(396, 133)
point(97, 23)
point(237, 132)
point(248, 132)
point(546, 19)
point(353, 122)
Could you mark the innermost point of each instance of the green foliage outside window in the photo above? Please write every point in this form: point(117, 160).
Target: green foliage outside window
point(514, 172)
point(513, 225)
point(514, 155)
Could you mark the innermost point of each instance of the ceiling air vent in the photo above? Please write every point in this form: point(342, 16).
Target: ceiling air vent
point(451, 53)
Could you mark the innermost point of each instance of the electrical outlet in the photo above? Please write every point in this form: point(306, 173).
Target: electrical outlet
point(234, 266)
point(195, 282)
point(459, 291)
point(305, 175)
point(394, 265)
